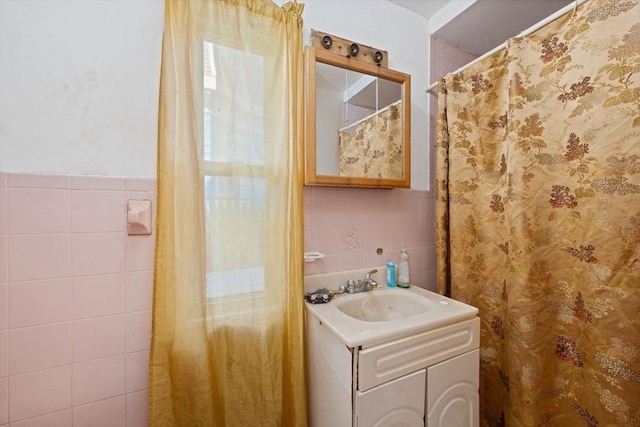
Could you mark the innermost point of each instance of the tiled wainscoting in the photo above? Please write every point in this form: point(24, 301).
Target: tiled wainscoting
point(76, 290)
point(348, 225)
point(75, 302)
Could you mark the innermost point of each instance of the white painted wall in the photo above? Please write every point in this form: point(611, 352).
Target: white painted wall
point(79, 86)
point(79, 79)
point(404, 35)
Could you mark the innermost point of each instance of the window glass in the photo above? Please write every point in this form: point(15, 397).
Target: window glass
point(233, 154)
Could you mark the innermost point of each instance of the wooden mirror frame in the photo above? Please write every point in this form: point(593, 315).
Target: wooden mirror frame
point(313, 55)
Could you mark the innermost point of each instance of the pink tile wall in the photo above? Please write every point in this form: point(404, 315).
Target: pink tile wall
point(348, 225)
point(446, 58)
point(75, 302)
point(76, 291)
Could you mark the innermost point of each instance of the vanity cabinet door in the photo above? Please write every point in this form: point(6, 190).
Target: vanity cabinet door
point(397, 403)
point(452, 392)
point(329, 376)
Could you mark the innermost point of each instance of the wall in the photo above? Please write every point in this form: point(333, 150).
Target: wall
point(78, 97)
point(79, 86)
point(383, 25)
point(78, 125)
point(348, 224)
point(75, 302)
point(92, 86)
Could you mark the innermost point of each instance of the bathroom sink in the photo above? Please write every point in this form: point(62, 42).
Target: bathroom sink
point(390, 304)
point(366, 318)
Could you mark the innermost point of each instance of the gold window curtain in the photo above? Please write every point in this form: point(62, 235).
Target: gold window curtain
point(538, 218)
point(227, 342)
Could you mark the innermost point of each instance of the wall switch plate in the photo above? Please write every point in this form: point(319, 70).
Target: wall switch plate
point(139, 217)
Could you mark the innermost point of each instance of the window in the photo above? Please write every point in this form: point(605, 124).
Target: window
point(234, 182)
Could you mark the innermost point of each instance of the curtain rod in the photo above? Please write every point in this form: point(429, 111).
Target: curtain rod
point(568, 8)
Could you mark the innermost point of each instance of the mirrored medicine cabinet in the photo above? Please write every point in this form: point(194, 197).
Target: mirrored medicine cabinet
point(357, 123)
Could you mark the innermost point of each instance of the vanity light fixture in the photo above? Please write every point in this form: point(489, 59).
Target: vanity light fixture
point(327, 41)
point(354, 49)
point(348, 48)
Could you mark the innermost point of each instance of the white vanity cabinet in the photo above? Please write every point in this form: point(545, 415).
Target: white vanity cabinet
point(399, 402)
point(452, 391)
point(426, 378)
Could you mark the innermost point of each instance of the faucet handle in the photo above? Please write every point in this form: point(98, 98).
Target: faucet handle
point(368, 275)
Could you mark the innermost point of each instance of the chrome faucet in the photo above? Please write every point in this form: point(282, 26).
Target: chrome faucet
point(363, 285)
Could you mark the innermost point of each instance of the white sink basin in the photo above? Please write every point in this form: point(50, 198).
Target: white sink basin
point(368, 318)
point(391, 304)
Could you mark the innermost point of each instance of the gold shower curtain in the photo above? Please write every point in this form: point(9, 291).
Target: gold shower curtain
point(538, 217)
point(372, 146)
point(227, 345)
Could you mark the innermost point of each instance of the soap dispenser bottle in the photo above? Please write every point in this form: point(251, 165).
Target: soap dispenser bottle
point(403, 269)
point(391, 274)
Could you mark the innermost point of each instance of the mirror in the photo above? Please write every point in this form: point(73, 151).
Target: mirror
point(357, 127)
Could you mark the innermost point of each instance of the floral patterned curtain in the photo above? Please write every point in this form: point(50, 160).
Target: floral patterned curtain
point(538, 218)
point(372, 147)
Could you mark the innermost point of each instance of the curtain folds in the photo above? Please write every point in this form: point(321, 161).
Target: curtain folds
point(371, 147)
point(227, 344)
point(538, 218)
